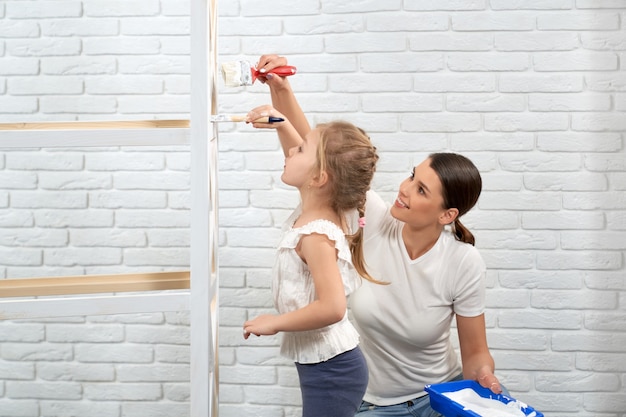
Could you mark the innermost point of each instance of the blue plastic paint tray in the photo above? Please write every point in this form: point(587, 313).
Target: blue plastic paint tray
point(450, 408)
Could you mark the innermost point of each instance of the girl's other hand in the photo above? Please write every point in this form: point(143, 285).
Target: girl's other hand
point(264, 325)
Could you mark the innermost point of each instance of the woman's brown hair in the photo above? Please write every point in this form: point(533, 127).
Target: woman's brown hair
point(461, 186)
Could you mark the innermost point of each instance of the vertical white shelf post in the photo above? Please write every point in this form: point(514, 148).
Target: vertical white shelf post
point(204, 209)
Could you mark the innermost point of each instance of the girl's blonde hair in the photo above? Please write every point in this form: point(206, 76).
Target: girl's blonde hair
point(347, 155)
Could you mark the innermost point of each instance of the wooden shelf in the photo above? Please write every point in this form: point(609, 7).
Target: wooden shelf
point(94, 284)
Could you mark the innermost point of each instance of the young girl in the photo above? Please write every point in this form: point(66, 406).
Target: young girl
point(319, 262)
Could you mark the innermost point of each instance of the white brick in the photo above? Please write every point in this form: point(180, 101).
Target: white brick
point(157, 257)
point(580, 142)
point(579, 260)
point(540, 279)
point(508, 259)
point(18, 105)
point(18, 180)
point(43, 9)
point(16, 371)
point(239, 237)
point(155, 27)
point(505, 61)
point(580, 220)
point(511, 122)
point(179, 200)
point(594, 200)
point(158, 334)
point(123, 46)
point(120, 85)
point(155, 409)
point(20, 257)
point(83, 256)
point(598, 122)
point(77, 105)
point(19, 29)
point(151, 181)
point(79, 27)
point(128, 199)
point(79, 66)
point(569, 102)
point(99, 8)
point(485, 103)
point(36, 351)
point(603, 363)
point(582, 240)
point(113, 354)
point(49, 199)
point(50, 371)
point(355, 43)
point(575, 61)
point(518, 239)
point(528, 83)
point(546, 41)
point(21, 332)
point(122, 392)
point(151, 218)
point(37, 390)
point(600, 342)
point(531, 4)
point(612, 81)
point(64, 408)
point(493, 21)
point(151, 373)
point(607, 322)
point(182, 8)
point(108, 237)
point(392, 22)
point(423, 122)
point(578, 21)
point(33, 237)
point(338, 6)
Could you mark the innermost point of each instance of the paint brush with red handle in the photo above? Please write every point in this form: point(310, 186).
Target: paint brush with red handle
point(240, 73)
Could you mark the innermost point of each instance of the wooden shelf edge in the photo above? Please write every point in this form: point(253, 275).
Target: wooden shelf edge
point(99, 125)
point(94, 284)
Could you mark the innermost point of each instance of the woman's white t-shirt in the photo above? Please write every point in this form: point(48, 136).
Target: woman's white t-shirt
point(405, 326)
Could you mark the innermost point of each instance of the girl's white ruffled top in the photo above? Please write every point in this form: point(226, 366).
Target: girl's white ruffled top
point(293, 288)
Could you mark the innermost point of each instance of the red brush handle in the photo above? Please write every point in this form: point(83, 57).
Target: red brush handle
point(284, 70)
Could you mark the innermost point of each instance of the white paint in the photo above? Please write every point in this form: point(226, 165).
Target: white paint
point(487, 407)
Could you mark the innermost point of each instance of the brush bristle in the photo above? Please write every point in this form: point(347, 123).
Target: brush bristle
point(237, 73)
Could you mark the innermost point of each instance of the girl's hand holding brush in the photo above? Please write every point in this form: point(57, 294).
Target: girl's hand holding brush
point(265, 117)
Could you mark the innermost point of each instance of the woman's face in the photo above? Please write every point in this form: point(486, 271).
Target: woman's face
point(420, 200)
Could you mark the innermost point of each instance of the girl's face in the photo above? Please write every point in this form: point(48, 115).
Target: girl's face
point(301, 161)
point(420, 200)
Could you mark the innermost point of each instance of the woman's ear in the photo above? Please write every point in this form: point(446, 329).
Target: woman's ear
point(448, 216)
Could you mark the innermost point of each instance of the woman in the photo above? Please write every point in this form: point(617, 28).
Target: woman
point(435, 275)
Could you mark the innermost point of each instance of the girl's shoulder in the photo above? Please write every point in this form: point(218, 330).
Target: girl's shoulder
point(321, 226)
point(332, 231)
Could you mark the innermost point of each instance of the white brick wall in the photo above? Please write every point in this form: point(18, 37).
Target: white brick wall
point(533, 91)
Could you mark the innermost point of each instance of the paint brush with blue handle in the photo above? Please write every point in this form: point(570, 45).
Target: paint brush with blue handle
point(217, 118)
